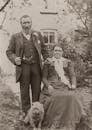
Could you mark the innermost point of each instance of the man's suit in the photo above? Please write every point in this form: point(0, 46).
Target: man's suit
point(16, 49)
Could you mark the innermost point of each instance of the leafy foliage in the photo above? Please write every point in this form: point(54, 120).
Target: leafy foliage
point(83, 10)
point(77, 43)
point(4, 5)
point(78, 49)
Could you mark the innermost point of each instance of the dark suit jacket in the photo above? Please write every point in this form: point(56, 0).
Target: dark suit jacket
point(15, 49)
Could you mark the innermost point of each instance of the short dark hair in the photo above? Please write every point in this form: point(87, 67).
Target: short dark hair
point(24, 16)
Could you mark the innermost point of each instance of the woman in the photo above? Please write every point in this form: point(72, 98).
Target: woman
point(63, 108)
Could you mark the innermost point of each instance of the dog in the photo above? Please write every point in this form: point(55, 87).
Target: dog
point(35, 115)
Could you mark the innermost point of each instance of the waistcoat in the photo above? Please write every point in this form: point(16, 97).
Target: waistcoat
point(30, 50)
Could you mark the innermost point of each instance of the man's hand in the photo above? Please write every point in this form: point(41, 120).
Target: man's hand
point(50, 88)
point(18, 61)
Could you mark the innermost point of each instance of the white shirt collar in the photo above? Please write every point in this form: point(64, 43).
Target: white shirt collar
point(27, 36)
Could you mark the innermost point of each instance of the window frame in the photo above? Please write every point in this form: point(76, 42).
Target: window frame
point(50, 31)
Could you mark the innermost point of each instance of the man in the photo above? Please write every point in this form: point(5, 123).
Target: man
point(24, 51)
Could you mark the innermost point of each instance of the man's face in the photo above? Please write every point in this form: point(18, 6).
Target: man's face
point(26, 23)
point(58, 53)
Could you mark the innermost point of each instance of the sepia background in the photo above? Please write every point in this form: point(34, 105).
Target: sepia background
point(67, 22)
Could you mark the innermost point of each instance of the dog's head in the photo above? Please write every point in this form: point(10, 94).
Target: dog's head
point(35, 113)
point(37, 107)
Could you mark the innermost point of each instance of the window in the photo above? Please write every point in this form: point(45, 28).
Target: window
point(45, 35)
point(52, 37)
point(49, 37)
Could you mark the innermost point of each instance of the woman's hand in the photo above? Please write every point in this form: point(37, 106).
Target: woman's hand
point(69, 86)
point(73, 86)
point(50, 61)
point(50, 89)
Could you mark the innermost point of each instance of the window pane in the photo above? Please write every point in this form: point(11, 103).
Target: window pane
point(52, 37)
point(45, 37)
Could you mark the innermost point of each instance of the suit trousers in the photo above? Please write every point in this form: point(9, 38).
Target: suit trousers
point(31, 75)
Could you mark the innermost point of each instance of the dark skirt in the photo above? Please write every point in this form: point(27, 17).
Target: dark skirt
point(62, 108)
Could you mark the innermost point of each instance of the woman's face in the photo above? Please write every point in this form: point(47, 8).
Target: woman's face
point(58, 53)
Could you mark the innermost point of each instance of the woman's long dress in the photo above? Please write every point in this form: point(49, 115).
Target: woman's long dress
point(63, 107)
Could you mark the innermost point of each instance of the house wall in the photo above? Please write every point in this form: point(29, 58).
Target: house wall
point(40, 22)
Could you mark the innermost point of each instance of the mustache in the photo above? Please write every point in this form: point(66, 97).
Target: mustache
point(27, 27)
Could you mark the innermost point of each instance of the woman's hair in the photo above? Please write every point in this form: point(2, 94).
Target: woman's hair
point(57, 47)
